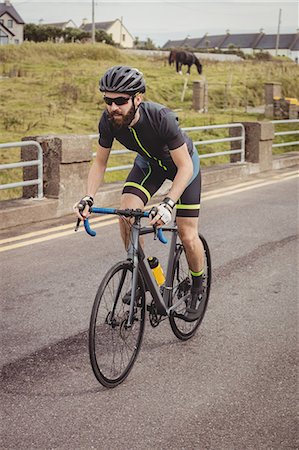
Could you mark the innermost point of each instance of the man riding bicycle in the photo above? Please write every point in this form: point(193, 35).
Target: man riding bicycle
point(164, 152)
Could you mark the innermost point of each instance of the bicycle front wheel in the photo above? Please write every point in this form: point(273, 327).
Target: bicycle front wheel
point(113, 346)
point(181, 286)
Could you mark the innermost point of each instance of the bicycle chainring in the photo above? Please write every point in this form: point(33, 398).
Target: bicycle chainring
point(154, 317)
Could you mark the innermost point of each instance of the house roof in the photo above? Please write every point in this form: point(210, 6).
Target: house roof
point(98, 25)
point(6, 30)
point(295, 44)
point(59, 24)
point(103, 26)
point(268, 41)
point(192, 42)
point(211, 41)
point(9, 9)
point(177, 43)
point(240, 40)
point(248, 40)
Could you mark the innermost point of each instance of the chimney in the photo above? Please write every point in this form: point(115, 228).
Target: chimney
point(84, 22)
point(7, 3)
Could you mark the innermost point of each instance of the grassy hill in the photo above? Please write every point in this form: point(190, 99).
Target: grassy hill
point(51, 88)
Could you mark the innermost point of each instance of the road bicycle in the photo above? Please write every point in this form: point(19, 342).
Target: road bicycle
point(117, 325)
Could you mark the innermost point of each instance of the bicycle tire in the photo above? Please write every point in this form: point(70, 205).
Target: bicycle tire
point(113, 348)
point(181, 284)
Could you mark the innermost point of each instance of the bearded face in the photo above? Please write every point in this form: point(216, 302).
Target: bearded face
point(120, 119)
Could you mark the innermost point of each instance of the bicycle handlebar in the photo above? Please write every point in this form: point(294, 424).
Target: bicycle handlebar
point(121, 212)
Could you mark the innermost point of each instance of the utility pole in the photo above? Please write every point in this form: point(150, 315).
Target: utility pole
point(121, 31)
point(93, 25)
point(278, 31)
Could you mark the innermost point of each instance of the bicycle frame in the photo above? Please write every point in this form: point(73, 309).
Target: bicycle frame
point(136, 254)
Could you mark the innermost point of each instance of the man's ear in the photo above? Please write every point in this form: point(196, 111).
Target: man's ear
point(139, 99)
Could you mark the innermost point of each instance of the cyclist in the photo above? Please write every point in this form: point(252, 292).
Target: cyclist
point(164, 152)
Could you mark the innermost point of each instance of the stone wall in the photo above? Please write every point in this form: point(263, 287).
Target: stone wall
point(66, 162)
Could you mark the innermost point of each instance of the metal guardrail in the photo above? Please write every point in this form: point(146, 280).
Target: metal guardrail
point(37, 162)
point(285, 133)
point(240, 138)
point(241, 151)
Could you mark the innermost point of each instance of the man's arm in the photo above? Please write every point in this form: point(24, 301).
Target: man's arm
point(94, 181)
point(184, 164)
point(97, 171)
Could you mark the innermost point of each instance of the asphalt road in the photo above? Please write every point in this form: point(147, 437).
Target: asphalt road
point(232, 387)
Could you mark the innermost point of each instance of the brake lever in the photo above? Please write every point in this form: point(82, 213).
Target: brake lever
point(158, 234)
point(77, 224)
point(80, 209)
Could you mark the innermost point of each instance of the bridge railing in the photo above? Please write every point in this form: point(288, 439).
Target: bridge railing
point(284, 133)
point(35, 162)
point(197, 143)
point(242, 135)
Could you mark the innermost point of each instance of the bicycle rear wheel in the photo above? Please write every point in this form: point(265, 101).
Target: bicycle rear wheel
point(113, 347)
point(181, 284)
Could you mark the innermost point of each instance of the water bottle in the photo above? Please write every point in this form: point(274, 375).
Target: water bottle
point(156, 269)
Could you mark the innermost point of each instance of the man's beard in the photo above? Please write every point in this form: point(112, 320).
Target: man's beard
point(122, 121)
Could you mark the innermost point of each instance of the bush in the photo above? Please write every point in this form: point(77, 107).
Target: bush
point(263, 56)
point(44, 33)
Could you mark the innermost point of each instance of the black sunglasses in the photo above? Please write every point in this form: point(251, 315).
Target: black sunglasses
point(117, 101)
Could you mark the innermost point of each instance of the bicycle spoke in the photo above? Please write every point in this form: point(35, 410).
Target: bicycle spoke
point(181, 287)
point(113, 345)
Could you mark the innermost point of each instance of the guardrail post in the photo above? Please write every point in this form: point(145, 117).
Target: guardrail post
point(66, 162)
point(259, 138)
point(271, 90)
point(235, 145)
point(198, 96)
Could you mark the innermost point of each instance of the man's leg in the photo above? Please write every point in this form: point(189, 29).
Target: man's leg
point(188, 232)
point(129, 201)
point(140, 186)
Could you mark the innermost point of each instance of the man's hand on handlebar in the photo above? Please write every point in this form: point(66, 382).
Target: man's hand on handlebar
point(161, 215)
point(83, 207)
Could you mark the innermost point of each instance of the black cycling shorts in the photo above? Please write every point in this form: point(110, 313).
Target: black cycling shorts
point(144, 180)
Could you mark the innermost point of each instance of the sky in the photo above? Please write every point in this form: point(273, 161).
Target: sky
point(163, 20)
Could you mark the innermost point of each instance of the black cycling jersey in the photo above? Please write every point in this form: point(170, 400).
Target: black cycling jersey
point(156, 133)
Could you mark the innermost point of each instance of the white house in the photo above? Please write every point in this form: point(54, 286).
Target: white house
point(115, 28)
point(61, 25)
point(287, 44)
point(11, 25)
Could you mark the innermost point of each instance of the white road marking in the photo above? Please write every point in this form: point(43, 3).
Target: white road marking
point(99, 222)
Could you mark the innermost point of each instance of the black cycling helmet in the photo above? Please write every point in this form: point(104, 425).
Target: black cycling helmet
point(123, 79)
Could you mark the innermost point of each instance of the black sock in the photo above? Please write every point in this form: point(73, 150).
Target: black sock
point(197, 281)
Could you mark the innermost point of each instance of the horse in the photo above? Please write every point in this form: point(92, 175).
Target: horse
point(181, 57)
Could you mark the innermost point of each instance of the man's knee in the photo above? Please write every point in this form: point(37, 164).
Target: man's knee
point(189, 241)
point(128, 201)
point(188, 231)
point(131, 201)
